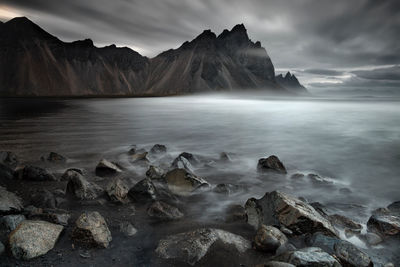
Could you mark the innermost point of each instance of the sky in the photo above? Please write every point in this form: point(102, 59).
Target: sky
point(331, 46)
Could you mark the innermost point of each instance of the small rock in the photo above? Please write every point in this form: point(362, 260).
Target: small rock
point(12, 221)
point(297, 176)
point(373, 239)
point(224, 157)
point(190, 157)
point(226, 189)
point(117, 190)
point(127, 229)
point(84, 254)
point(269, 239)
point(155, 173)
point(140, 157)
point(33, 173)
point(132, 150)
point(318, 180)
point(9, 202)
point(190, 247)
point(158, 149)
point(163, 211)
point(91, 229)
point(272, 163)
point(182, 182)
point(54, 157)
point(33, 238)
point(310, 256)
point(144, 190)
point(105, 167)
point(8, 163)
point(81, 188)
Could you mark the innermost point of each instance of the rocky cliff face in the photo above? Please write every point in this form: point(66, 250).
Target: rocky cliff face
point(36, 63)
point(290, 82)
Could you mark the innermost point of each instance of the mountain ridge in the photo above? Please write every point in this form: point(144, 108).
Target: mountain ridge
point(35, 63)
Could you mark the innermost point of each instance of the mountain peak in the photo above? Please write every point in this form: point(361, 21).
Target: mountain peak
point(206, 34)
point(239, 28)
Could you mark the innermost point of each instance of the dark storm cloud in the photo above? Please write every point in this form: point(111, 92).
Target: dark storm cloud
point(324, 36)
point(387, 74)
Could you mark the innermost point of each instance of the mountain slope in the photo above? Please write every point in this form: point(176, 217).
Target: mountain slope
point(36, 63)
point(290, 82)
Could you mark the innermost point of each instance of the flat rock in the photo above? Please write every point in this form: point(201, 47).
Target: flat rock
point(269, 239)
point(10, 222)
point(81, 188)
point(9, 202)
point(143, 191)
point(117, 191)
point(33, 173)
point(272, 163)
point(91, 229)
point(33, 238)
point(310, 256)
point(279, 209)
point(105, 167)
point(163, 211)
point(190, 247)
point(183, 182)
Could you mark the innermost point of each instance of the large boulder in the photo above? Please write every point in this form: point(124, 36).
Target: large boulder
point(9, 202)
point(8, 163)
point(33, 238)
point(183, 182)
point(279, 209)
point(33, 173)
point(347, 253)
point(117, 191)
point(105, 167)
point(163, 211)
point(91, 229)
point(269, 239)
point(190, 247)
point(10, 222)
point(81, 188)
point(143, 191)
point(310, 256)
point(386, 221)
point(272, 163)
point(182, 163)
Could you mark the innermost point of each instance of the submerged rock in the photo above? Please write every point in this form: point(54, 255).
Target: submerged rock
point(91, 229)
point(8, 163)
point(105, 167)
point(34, 173)
point(144, 190)
point(224, 157)
point(158, 149)
point(54, 157)
point(269, 239)
point(311, 256)
point(139, 157)
point(183, 182)
point(9, 202)
point(155, 173)
point(190, 247)
point(33, 238)
point(226, 189)
point(10, 222)
point(346, 223)
point(81, 188)
point(279, 209)
point(117, 191)
point(163, 211)
point(272, 163)
point(127, 229)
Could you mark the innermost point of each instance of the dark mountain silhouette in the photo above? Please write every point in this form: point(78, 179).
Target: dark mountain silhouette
point(290, 82)
point(36, 63)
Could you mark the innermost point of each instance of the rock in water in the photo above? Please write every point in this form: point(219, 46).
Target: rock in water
point(310, 256)
point(158, 149)
point(81, 188)
point(9, 202)
point(182, 163)
point(385, 221)
point(155, 173)
point(163, 211)
point(91, 229)
point(34, 173)
point(182, 182)
point(280, 209)
point(11, 221)
point(144, 190)
point(33, 238)
point(272, 163)
point(275, 264)
point(226, 189)
point(55, 158)
point(117, 190)
point(192, 246)
point(104, 167)
point(269, 239)
point(127, 229)
point(8, 163)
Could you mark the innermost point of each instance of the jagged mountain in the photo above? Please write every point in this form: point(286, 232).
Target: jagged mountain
point(36, 63)
point(290, 82)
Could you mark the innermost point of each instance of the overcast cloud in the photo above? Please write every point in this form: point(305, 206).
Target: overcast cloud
point(325, 43)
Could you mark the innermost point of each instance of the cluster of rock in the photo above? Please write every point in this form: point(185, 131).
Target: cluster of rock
point(288, 230)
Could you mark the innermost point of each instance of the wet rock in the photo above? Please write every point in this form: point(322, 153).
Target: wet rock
point(190, 157)
point(224, 157)
point(10, 222)
point(272, 163)
point(275, 264)
point(91, 229)
point(54, 157)
point(8, 163)
point(132, 150)
point(158, 149)
point(347, 253)
point(269, 239)
point(33, 173)
point(117, 191)
point(344, 222)
point(385, 222)
point(235, 213)
point(60, 218)
point(155, 173)
point(2, 248)
point(53, 216)
point(182, 163)
point(70, 173)
point(139, 157)
point(183, 182)
point(81, 188)
point(226, 189)
point(373, 239)
point(286, 231)
point(190, 247)
point(310, 256)
point(33, 238)
point(9, 202)
point(318, 180)
point(394, 207)
point(105, 167)
point(127, 229)
point(277, 208)
point(144, 190)
point(297, 176)
point(163, 211)
point(44, 199)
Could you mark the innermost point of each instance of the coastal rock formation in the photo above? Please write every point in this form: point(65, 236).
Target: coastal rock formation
point(269, 238)
point(36, 63)
point(290, 82)
point(272, 163)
